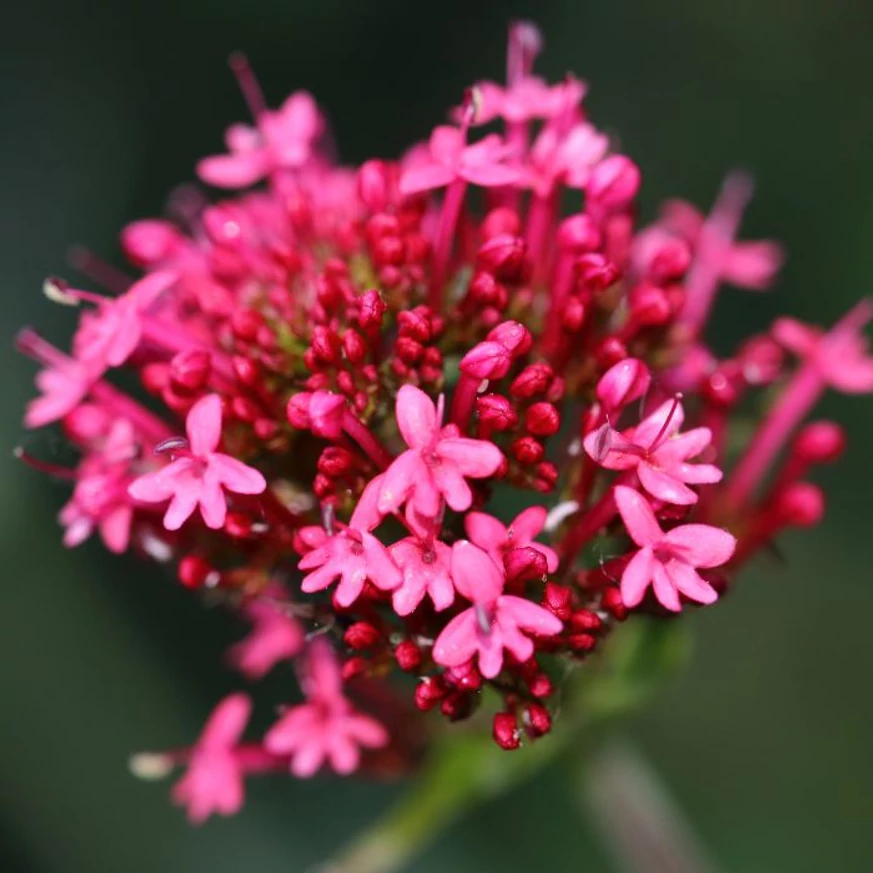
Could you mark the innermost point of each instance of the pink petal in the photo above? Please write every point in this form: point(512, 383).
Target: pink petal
point(527, 525)
point(637, 516)
point(487, 360)
point(115, 529)
point(689, 583)
point(180, 509)
point(493, 176)
point(381, 570)
point(529, 616)
point(159, 485)
point(477, 459)
point(203, 425)
point(649, 429)
point(416, 417)
point(457, 642)
point(446, 144)
point(521, 647)
point(664, 589)
point(491, 652)
point(485, 531)
point(233, 171)
point(213, 506)
point(683, 446)
point(226, 724)
point(611, 449)
point(636, 577)
point(235, 475)
point(664, 486)
point(752, 265)
point(147, 290)
point(701, 545)
point(343, 754)
point(366, 731)
point(415, 180)
point(366, 515)
point(405, 473)
point(452, 485)
point(307, 762)
point(698, 474)
point(475, 574)
point(354, 575)
point(796, 336)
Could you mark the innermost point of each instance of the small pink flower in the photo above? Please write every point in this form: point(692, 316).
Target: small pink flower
point(564, 157)
point(658, 453)
point(489, 534)
point(495, 622)
point(213, 782)
point(283, 140)
point(100, 499)
point(450, 158)
point(351, 555)
point(668, 561)
point(426, 568)
point(840, 356)
point(327, 728)
point(438, 461)
point(274, 637)
point(201, 475)
point(528, 99)
point(109, 335)
point(64, 386)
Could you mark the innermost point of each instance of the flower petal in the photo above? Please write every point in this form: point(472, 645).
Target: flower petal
point(637, 516)
point(457, 642)
point(701, 545)
point(475, 574)
point(203, 425)
point(235, 475)
point(636, 577)
point(664, 588)
point(416, 417)
point(664, 486)
point(485, 531)
point(689, 583)
point(476, 459)
point(529, 616)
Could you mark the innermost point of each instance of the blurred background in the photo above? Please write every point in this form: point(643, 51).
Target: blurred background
point(765, 739)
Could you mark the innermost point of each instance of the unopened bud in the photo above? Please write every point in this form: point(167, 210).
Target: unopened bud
point(361, 635)
point(408, 656)
point(505, 731)
point(542, 419)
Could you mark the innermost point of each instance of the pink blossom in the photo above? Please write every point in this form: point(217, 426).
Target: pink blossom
point(495, 622)
point(450, 158)
point(668, 561)
point(274, 637)
point(438, 461)
point(489, 534)
point(658, 453)
point(426, 568)
point(213, 782)
point(64, 386)
point(352, 555)
point(528, 99)
point(282, 140)
point(109, 335)
point(327, 728)
point(100, 499)
point(201, 475)
point(568, 157)
point(840, 356)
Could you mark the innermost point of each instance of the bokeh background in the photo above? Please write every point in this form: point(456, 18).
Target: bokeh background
point(765, 739)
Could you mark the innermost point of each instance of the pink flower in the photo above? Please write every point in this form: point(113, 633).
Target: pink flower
point(495, 622)
point(283, 140)
point(564, 157)
point(213, 782)
point(351, 555)
point(109, 335)
point(450, 158)
point(100, 499)
point(840, 356)
point(668, 561)
point(64, 386)
point(437, 462)
point(658, 453)
point(489, 534)
point(327, 728)
point(201, 475)
point(426, 568)
point(274, 637)
point(528, 99)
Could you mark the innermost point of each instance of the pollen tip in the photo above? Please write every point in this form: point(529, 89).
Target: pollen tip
point(150, 766)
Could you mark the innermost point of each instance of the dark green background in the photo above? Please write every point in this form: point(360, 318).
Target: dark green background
point(105, 106)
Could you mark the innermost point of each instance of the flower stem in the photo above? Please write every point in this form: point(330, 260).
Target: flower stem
point(442, 250)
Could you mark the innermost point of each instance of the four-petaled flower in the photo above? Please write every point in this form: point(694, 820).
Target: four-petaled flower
point(438, 461)
point(200, 475)
point(494, 622)
point(283, 140)
point(658, 453)
point(213, 782)
point(668, 561)
point(426, 567)
point(840, 357)
point(450, 158)
point(490, 534)
point(327, 728)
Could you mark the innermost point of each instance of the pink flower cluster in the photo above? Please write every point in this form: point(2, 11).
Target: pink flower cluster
point(412, 417)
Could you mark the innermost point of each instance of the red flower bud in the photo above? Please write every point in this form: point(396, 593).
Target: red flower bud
point(527, 450)
point(585, 620)
point(189, 371)
point(533, 379)
point(429, 692)
point(579, 234)
point(536, 719)
point(496, 412)
point(614, 183)
point(505, 731)
point(623, 383)
point(820, 442)
point(524, 564)
point(503, 256)
point(557, 599)
point(194, 572)
point(371, 310)
point(801, 504)
point(541, 686)
point(354, 346)
point(487, 360)
point(501, 221)
point(375, 184)
point(612, 603)
point(361, 636)
point(149, 242)
point(542, 419)
point(408, 656)
point(514, 337)
point(335, 461)
point(595, 272)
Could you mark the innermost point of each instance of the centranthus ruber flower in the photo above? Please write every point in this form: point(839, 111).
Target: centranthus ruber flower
point(495, 622)
point(327, 728)
point(438, 461)
point(658, 453)
point(499, 540)
point(308, 336)
point(213, 782)
point(200, 475)
point(668, 562)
